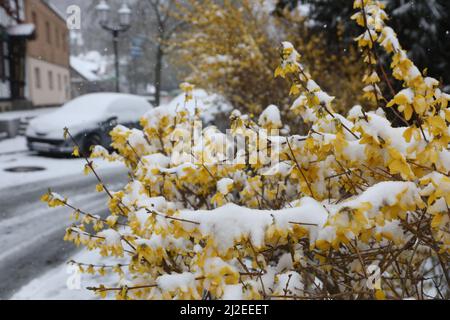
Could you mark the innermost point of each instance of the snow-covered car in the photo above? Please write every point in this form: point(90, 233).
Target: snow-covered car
point(89, 119)
point(215, 109)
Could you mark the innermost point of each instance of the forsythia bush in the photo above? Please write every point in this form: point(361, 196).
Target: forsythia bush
point(352, 202)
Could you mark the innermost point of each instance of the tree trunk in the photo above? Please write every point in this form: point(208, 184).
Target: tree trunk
point(158, 74)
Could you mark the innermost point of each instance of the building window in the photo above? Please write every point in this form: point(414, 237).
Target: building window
point(4, 55)
point(50, 80)
point(57, 39)
point(66, 85)
point(64, 41)
point(48, 32)
point(2, 62)
point(37, 78)
point(59, 83)
point(35, 22)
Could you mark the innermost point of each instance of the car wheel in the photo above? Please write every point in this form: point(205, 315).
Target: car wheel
point(92, 139)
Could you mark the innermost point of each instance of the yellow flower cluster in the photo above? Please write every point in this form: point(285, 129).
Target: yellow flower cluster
point(285, 216)
point(53, 199)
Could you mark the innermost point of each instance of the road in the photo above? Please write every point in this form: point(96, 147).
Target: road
point(31, 235)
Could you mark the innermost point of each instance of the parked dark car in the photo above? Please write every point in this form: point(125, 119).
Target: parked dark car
point(89, 119)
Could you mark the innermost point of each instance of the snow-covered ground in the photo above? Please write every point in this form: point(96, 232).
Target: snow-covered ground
point(19, 221)
point(16, 145)
point(14, 153)
point(25, 114)
point(61, 283)
point(31, 235)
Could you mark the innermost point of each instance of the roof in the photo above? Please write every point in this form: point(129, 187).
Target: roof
point(86, 69)
point(92, 65)
point(54, 9)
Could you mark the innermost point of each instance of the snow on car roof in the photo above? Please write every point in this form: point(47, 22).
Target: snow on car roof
point(100, 100)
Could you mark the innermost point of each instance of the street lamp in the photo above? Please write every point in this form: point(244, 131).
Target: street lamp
point(103, 11)
point(125, 15)
point(124, 12)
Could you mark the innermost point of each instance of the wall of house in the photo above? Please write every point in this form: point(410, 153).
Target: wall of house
point(48, 53)
point(48, 84)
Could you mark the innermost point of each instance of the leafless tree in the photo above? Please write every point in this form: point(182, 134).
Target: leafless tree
point(166, 26)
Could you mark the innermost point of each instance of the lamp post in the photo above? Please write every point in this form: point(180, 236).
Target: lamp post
point(124, 24)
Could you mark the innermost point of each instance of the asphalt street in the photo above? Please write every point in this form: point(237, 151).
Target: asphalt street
point(31, 235)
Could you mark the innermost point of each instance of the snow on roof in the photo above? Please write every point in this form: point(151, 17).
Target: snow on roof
point(86, 69)
point(55, 10)
point(26, 29)
point(92, 65)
